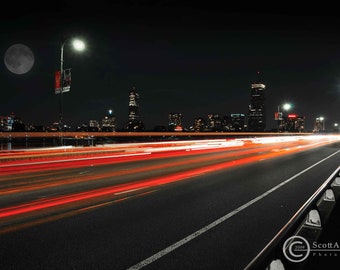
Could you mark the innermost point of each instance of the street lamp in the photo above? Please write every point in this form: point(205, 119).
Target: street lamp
point(286, 107)
point(78, 45)
point(322, 119)
point(318, 121)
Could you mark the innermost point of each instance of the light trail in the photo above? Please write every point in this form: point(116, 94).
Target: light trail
point(199, 160)
point(9, 161)
point(62, 200)
point(70, 213)
point(24, 186)
point(27, 185)
point(220, 220)
point(141, 184)
point(131, 151)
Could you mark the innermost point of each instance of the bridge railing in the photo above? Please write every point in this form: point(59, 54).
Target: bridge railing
point(290, 247)
point(6, 135)
point(25, 139)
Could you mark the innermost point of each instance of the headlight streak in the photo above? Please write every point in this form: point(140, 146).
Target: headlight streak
point(25, 186)
point(49, 162)
point(32, 209)
point(46, 153)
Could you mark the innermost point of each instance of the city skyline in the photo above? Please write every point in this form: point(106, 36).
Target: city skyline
point(182, 58)
point(254, 121)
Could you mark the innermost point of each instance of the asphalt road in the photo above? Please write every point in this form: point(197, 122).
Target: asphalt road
point(215, 218)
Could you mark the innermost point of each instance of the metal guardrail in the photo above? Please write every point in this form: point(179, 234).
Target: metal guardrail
point(290, 247)
point(6, 135)
point(93, 138)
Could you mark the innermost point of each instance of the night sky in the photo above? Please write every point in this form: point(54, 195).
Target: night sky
point(193, 58)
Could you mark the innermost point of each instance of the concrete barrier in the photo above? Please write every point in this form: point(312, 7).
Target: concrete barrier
point(291, 247)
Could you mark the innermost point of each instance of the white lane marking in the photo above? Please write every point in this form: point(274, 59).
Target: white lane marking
point(192, 236)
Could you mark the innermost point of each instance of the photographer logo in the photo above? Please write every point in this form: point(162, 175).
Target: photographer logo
point(297, 249)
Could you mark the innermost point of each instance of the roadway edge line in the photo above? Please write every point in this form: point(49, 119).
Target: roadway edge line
point(213, 224)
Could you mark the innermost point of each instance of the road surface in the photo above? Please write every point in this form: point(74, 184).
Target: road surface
point(211, 206)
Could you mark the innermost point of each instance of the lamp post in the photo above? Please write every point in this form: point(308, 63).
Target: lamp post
point(79, 46)
point(286, 107)
point(318, 122)
point(322, 119)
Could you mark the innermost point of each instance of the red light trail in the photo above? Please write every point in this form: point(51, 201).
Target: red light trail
point(208, 157)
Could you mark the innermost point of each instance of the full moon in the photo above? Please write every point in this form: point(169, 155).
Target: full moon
point(19, 59)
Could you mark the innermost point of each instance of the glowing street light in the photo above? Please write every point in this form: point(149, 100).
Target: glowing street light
point(78, 45)
point(319, 120)
point(322, 119)
point(287, 106)
point(279, 114)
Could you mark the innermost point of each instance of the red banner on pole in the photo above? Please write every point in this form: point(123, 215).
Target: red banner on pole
point(278, 116)
point(57, 82)
point(66, 81)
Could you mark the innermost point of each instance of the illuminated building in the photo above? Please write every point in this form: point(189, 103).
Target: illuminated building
point(292, 123)
point(6, 123)
point(11, 123)
point(199, 124)
point(175, 122)
point(134, 122)
point(93, 125)
point(109, 122)
point(234, 122)
point(214, 122)
point(257, 113)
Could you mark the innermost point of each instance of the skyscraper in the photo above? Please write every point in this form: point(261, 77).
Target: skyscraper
point(109, 122)
point(175, 122)
point(214, 122)
point(257, 113)
point(134, 122)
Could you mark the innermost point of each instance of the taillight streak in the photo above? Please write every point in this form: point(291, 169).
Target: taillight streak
point(49, 203)
point(23, 186)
